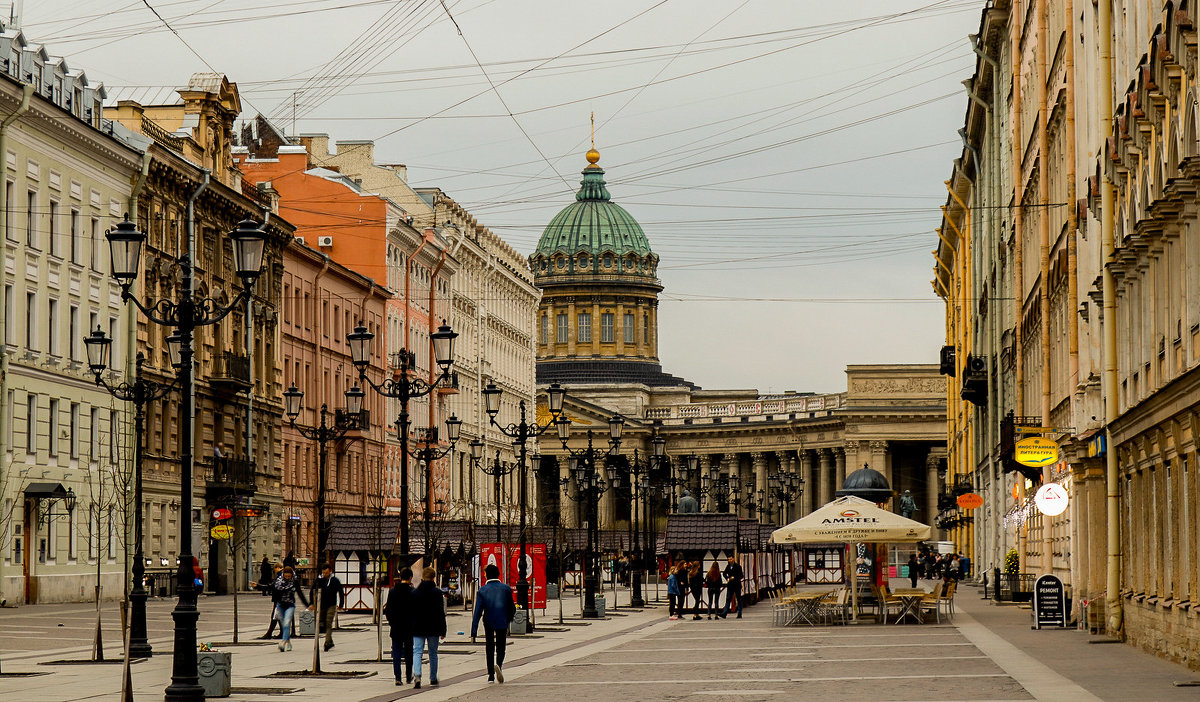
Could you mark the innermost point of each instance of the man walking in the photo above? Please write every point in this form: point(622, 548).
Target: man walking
point(399, 617)
point(494, 604)
point(333, 595)
point(733, 586)
point(428, 625)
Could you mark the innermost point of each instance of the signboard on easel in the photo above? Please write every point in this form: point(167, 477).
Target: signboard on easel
point(1049, 603)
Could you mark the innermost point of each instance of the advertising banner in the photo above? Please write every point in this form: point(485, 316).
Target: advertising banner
point(535, 572)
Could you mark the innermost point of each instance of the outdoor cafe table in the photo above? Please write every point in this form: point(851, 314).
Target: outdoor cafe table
point(910, 603)
point(805, 608)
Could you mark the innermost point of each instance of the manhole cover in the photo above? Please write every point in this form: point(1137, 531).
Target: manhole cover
point(264, 690)
point(302, 674)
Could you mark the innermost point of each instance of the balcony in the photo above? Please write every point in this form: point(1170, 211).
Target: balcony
point(231, 371)
point(230, 474)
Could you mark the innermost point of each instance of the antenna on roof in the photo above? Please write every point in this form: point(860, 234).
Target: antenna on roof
point(14, 17)
point(593, 129)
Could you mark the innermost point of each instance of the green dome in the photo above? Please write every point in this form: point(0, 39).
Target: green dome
point(594, 235)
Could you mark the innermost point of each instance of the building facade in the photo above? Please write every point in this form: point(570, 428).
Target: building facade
point(1067, 227)
point(316, 360)
point(67, 180)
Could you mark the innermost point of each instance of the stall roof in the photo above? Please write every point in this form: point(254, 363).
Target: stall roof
point(363, 532)
point(702, 532)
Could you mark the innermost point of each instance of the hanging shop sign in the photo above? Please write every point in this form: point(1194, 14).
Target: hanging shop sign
point(221, 513)
point(221, 531)
point(1036, 451)
point(1051, 499)
point(971, 500)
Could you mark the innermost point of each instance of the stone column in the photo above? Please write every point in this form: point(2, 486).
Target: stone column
point(595, 329)
point(931, 490)
point(758, 461)
point(826, 469)
point(619, 329)
point(839, 459)
point(881, 460)
point(572, 327)
point(706, 463)
point(570, 509)
point(806, 475)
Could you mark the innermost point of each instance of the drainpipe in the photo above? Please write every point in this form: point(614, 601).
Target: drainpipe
point(1113, 604)
point(248, 331)
point(5, 410)
point(1018, 295)
point(189, 433)
point(433, 374)
point(1078, 518)
point(1044, 256)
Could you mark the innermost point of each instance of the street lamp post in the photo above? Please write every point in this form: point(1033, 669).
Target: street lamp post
point(185, 315)
point(403, 388)
point(497, 469)
point(589, 486)
point(324, 433)
point(638, 473)
point(425, 457)
point(520, 432)
point(139, 392)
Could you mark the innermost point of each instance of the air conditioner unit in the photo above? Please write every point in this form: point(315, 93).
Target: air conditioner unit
point(300, 239)
point(324, 241)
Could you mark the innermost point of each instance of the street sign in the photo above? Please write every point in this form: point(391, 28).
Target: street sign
point(1049, 602)
point(221, 513)
point(221, 531)
point(1036, 451)
point(971, 500)
point(1051, 499)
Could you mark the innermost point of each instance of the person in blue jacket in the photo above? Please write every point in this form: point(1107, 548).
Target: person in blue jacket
point(494, 604)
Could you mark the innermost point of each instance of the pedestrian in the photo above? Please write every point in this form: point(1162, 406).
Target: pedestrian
point(964, 565)
point(493, 604)
point(673, 596)
point(289, 561)
point(264, 572)
point(267, 586)
point(913, 567)
point(333, 595)
point(399, 617)
point(712, 582)
point(953, 570)
point(733, 586)
point(696, 585)
point(286, 593)
point(428, 625)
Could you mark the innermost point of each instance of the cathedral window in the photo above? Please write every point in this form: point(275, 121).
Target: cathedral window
point(563, 327)
point(585, 327)
point(606, 327)
point(628, 328)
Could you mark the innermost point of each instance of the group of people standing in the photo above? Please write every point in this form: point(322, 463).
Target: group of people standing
point(938, 566)
point(689, 578)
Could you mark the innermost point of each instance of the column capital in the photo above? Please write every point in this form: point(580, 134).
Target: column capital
point(878, 446)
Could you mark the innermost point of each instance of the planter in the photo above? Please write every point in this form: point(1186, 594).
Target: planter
point(306, 623)
point(552, 591)
point(520, 622)
point(215, 669)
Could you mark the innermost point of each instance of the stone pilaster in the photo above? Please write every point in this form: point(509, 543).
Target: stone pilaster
point(706, 465)
point(839, 459)
point(825, 457)
point(931, 492)
point(806, 474)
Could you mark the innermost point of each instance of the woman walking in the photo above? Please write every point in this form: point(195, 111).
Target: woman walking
point(674, 601)
point(696, 584)
point(712, 582)
point(428, 625)
point(286, 593)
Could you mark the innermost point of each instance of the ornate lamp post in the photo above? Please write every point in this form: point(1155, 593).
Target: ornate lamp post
point(497, 469)
point(520, 432)
point(324, 433)
point(782, 488)
point(185, 315)
point(425, 456)
point(139, 392)
point(589, 486)
point(403, 388)
point(638, 473)
point(723, 489)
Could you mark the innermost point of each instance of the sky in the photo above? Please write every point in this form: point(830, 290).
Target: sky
point(785, 158)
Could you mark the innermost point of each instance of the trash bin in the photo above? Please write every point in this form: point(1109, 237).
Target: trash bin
point(552, 591)
point(214, 668)
point(306, 623)
point(600, 606)
point(519, 622)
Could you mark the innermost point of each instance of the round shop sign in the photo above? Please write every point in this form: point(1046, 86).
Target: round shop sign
point(1036, 451)
point(970, 500)
point(221, 531)
point(1051, 499)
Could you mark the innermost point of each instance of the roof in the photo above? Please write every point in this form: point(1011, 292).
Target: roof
point(702, 532)
point(583, 232)
point(363, 532)
point(45, 490)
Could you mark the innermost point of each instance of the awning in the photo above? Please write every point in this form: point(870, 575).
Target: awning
point(45, 490)
point(852, 519)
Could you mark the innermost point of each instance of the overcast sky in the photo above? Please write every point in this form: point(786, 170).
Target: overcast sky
point(785, 158)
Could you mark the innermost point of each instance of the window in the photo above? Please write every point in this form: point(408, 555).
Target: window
point(563, 327)
point(31, 423)
point(53, 426)
point(93, 532)
point(8, 314)
point(31, 238)
point(94, 435)
point(18, 549)
point(76, 243)
point(646, 328)
point(112, 535)
point(95, 237)
point(74, 438)
point(545, 329)
point(52, 325)
point(47, 548)
point(627, 327)
point(30, 320)
point(585, 327)
point(606, 327)
point(9, 210)
point(75, 338)
point(55, 239)
point(71, 531)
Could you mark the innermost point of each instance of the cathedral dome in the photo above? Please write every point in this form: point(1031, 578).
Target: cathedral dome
point(593, 236)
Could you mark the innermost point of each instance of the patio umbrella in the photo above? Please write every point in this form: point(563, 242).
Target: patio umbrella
point(852, 520)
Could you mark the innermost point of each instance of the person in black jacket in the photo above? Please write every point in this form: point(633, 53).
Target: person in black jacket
point(399, 617)
point(333, 595)
point(428, 624)
point(696, 585)
point(267, 585)
point(733, 586)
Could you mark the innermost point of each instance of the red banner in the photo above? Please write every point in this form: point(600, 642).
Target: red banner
point(535, 571)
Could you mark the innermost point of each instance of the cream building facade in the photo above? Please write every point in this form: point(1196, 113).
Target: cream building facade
point(1067, 263)
point(66, 182)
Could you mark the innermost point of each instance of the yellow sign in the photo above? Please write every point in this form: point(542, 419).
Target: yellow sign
point(1036, 451)
point(221, 531)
